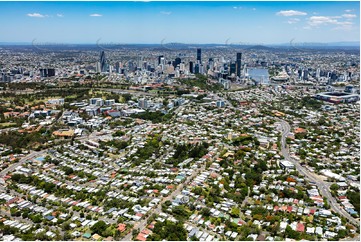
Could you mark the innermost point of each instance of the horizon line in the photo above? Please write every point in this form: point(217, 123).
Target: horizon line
point(49, 43)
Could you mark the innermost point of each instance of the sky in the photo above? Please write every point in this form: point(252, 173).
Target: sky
point(182, 22)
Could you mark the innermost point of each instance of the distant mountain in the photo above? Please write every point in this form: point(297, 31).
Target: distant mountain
point(15, 43)
point(346, 43)
point(259, 47)
point(296, 43)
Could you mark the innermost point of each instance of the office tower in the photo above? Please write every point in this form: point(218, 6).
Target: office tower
point(43, 73)
point(181, 66)
point(103, 64)
point(131, 66)
point(225, 67)
point(47, 72)
point(199, 55)
point(333, 76)
point(51, 72)
point(145, 64)
point(191, 68)
point(318, 73)
point(162, 61)
point(117, 67)
point(159, 59)
point(149, 68)
point(210, 63)
point(98, 67)
point(232, 69)
point(238, 64)
point(177, 62)
point(220, 104)
point(196, 69)
point(305, 75)
point(201, 69)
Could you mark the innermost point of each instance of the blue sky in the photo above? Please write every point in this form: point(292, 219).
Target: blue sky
point(185, 22)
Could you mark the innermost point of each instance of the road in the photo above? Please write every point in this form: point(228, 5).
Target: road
point(323, 186)
point(21, 162)
point(143, 223)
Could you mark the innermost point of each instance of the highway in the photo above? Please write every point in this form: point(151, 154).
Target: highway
point(323, 186)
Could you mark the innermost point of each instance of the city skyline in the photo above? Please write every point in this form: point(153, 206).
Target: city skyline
point(182, 22)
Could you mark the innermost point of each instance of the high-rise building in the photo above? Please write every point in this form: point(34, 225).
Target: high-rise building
point(199, 55)
point(177, 62)
point(239, 64)
point(191, 68)
point(305, 75)
point(47, 72)
point(210, 63)
point(98, 67)
point(220, 104)
point(232, 69)
point(117, 67)
point(103, 62)
point(159, 59)
point(196, 69)
point(318, 73)
point(142, 103)
point(201, 69)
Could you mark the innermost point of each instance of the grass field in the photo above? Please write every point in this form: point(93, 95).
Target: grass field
point(5, 125)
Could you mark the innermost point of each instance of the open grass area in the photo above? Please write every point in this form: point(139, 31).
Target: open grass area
point(5, 125)
point(31, 102)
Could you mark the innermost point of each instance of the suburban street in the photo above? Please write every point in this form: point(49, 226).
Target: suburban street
point(21, 161)
point(322, 185)
point(143, 223)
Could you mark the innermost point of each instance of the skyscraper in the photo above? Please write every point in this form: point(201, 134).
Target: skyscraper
point(210, 63)
point(196, 69)
point(117, 67)
point(47, 72)
point(177, 62)
point(103, 64)
point(98, 67)
point(159, 59)
point(191, 69)
point(199, 55)
point(238, 64)
point(232, 69)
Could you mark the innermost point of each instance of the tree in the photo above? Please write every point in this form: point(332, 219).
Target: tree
point(354, 198)
point(169, 231)
point(235, 212)
point(290, 233)
point(135, 232)
point(334, 187)
point(99, 227)
point(206, 212)
point(68, 170)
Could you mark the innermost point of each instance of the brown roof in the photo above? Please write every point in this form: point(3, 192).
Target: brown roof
point(121, 227)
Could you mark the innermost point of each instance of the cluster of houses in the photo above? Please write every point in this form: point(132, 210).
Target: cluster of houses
point(90, 166)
